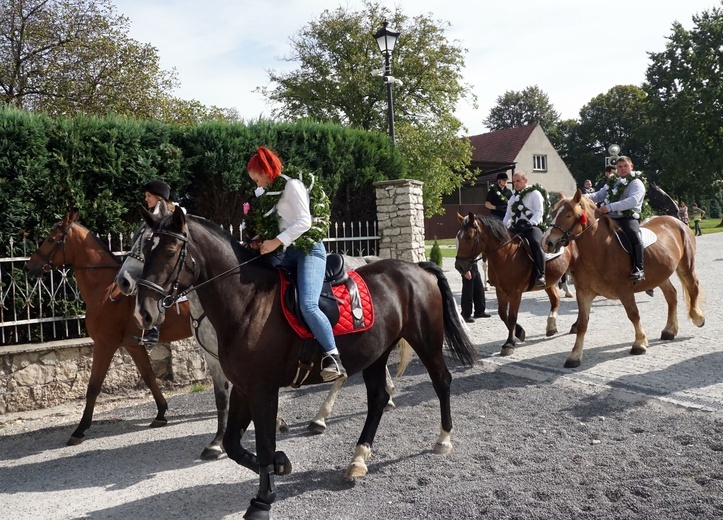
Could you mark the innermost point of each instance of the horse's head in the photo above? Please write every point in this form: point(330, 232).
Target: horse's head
point(166, 270)
point(51, 253)
point(468, 243)
point(132, 268)
point(569, 218)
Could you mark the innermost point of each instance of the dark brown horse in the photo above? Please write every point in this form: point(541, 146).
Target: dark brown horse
point(109, 320)
point(603, 267)
point(510, 270)
point(259, 351)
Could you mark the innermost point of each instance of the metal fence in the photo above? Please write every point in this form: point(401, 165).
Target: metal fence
point(51, 308)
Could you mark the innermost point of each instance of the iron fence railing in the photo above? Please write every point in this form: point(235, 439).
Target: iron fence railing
point(51, 308)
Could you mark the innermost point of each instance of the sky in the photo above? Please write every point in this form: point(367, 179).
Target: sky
point(573, 50)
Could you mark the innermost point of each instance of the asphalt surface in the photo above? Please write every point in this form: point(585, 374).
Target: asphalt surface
point(620, 437)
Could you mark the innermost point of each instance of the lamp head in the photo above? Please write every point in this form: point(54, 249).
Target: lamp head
point(386, 39)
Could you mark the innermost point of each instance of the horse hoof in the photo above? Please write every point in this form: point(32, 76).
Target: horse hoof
point(316, 427)
point(212, 453)
point(551, 332)
point(521, 334)
point(442, 448)
point(665, 335)
point(158, 423)
point(355, 470)
point(573, 329)
point(572, 363)
point(638, 351)
point(701, 323)
point(281, 426)
point(390, 407)
point(258, 510)
point(507, 351)
point(282, 464)
point(74, 441)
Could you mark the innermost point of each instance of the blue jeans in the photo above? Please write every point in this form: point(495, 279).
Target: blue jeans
point(310, 270)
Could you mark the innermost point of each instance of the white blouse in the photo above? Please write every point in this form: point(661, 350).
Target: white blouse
point(293, 211)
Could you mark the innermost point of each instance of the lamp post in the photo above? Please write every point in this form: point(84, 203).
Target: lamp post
point(614, 151)
point(386, 39)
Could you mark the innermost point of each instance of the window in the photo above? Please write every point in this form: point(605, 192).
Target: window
point(539, 163)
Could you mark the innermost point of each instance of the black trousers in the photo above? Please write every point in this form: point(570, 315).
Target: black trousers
point(473, 293)
point(534, 237)
point(631, 229)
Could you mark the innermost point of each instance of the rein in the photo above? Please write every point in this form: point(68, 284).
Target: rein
point(477, 234)
point(567, 237)
point(170, 298)
point(48, 259)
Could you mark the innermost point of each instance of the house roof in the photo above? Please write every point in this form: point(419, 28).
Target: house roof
point(496, 149)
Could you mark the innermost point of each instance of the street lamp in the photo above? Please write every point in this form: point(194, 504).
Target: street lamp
point(386, 39)
point(614, 151)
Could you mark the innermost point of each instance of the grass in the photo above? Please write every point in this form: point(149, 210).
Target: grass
point(446, 246)
point(198, 388)
point(708, 225)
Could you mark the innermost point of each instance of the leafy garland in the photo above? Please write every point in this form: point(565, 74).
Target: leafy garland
point(500, 194)
point(265, 223)
point(616, 189)
point(519, 209)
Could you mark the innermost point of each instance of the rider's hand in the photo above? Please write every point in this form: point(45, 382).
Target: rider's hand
point(269, 246)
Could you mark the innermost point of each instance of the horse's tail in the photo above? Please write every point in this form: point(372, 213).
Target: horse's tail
point(688, 278)
point(405, 356)
point(457, 339)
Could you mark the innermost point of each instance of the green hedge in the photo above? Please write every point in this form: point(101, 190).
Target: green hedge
point(99, 165)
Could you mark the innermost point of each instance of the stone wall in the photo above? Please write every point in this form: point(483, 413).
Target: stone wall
point(400, 219)
point(49, 374)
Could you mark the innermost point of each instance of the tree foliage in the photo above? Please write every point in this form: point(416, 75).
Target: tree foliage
point(685, 94)
point(66, 57)
point(336, 55)
point(515, 109)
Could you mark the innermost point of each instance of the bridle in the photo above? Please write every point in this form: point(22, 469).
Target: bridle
point(50, 265)
point(477, 239)
point(169, 298)
point(567, 235)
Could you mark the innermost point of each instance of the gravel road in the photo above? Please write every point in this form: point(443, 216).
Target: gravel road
point(621, 437)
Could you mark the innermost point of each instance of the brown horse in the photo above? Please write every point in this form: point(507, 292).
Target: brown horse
point(511, 270)
point(259, 351)
point(109, 320)
point(603, 267)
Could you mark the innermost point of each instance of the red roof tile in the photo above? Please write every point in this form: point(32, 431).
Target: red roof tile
point(501, 146)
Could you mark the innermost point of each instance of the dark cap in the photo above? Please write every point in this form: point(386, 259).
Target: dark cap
point(502, 176)
point(159, 188)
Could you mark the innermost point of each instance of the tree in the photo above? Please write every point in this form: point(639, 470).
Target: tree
point(515, 109)
point(685, 96)
point(66, 57)
point(617, 116)
point(336, 55)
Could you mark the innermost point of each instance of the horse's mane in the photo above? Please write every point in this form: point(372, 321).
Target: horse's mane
point(98, 240)
point(242, 252)
point(494, 227)
point(589, 205)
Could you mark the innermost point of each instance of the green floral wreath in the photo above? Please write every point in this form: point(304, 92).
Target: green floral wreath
point(501, 195)
point(265, 223)
point(518, 207)
point(616, 188)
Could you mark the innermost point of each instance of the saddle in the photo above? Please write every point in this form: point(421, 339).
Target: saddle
point(344, 299)
point(648, 238)
point(528, 250)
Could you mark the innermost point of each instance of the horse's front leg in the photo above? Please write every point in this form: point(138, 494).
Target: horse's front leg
point(554, 308)
point(102, 356)
point(640, 345)
point(139, 355)
point(377, 398)
point(513, 329)
point(584, 302)
point(221, 392)
point(264, 409)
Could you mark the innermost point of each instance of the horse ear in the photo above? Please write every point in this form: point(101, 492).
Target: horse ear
point(179, 219)
point(147, 216)
point(578, 196)
point(460, 218)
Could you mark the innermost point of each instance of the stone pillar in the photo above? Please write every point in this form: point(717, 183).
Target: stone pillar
point(400, 219)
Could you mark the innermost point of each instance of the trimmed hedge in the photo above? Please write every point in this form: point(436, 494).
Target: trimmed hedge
point(99, 165)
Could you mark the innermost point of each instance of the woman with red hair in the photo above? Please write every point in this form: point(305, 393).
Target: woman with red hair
point(293, 216)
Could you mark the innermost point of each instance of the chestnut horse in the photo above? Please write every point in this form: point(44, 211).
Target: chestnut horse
point(510, 270)
point(603, 267)
point(259, 351)
point(109, 320)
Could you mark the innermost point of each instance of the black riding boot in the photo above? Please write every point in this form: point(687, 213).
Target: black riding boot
point(638, 274)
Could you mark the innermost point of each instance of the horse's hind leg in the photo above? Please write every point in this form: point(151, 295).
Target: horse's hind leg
point(554, 308)
point(139, 355)
point(221, 391)
point(441, 381)
point(102, 356)
point(318, 424)
point(671, 297)
point(239, 418)
point(377, 398)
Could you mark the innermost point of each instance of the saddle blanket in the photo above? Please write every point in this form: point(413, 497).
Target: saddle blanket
point(356, 310)
point(648, 238)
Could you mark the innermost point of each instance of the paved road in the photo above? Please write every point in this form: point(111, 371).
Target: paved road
point(685, 371)
point(532, 440)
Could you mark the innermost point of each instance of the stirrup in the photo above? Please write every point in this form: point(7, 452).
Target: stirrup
point(638, 275)
point(331, 368)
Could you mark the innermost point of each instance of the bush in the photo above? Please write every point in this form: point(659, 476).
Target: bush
point(435, 255)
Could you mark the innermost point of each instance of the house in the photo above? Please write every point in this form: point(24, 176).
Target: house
point(526, 149)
